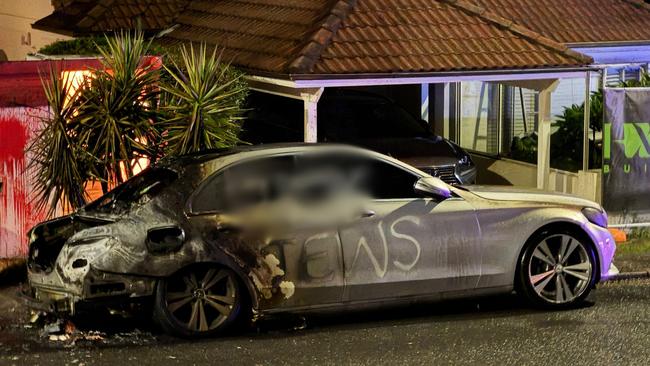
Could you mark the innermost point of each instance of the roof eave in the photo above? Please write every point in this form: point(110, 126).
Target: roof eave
point(85, 32)
point(536, 70)
point(38, 25)
point(608, 43)
point(369, 79)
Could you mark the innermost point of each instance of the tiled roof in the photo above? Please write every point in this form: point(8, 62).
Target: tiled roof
point(77, 17)
point(259, 34)
point(299, 37)
point(407, 35)
point(366, 36)
point(578, 21)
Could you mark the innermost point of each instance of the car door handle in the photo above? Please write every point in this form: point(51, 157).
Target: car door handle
point(367, 213)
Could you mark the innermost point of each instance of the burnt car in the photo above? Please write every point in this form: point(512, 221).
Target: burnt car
point(253, 231)
point(362, 119)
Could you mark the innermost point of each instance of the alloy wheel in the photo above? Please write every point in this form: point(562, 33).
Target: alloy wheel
point(202, 299)
point(560, 269)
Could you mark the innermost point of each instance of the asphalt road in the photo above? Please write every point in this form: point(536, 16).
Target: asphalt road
point(614, 329)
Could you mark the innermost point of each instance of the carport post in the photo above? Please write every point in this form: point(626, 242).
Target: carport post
point(424, 102)
point(544, 137)
point(585, 129)
point(310, 100)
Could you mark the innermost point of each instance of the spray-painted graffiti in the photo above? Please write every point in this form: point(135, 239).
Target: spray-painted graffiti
point(381, 268)
point(17, 213)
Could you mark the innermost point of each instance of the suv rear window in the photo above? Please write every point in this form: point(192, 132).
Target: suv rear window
point(345, 119)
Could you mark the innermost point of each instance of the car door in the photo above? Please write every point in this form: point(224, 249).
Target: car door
point(403, 244)
point(258, 195)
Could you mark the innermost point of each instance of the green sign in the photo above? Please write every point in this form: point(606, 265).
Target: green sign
point(636, 137)
point(635, 143)
point(626, 153)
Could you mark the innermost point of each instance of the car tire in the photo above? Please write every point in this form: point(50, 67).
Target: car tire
point(198, 301)
point(557, 269)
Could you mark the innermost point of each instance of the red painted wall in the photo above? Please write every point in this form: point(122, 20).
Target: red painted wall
point(22, 106)
point(17, 214)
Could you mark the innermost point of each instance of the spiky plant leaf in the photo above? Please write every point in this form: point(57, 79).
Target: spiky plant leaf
point(57, 166)
point(118, 108)
point(202, 102)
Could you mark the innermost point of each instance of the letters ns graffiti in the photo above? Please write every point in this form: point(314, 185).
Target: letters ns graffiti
point(381, 268)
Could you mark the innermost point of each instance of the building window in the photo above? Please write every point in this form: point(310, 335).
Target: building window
point(502, 120)
point(520, 119)
point(480, 117)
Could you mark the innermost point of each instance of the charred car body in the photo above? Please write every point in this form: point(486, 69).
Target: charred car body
point(294, 228)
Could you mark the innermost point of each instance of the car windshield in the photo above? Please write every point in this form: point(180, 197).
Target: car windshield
point(137, 190)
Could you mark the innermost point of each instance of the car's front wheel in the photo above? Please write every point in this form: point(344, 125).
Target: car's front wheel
point(198, 301)
point(557, 270)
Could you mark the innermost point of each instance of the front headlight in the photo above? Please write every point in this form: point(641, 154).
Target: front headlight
point(595, 216)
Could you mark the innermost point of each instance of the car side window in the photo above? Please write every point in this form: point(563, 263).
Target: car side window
point(321, 177)
point(343, 119)
point(390, 182)
point(244, 185)
point(369, 177)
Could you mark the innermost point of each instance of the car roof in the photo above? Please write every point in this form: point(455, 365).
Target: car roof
point(276, 148)
point(211, 154)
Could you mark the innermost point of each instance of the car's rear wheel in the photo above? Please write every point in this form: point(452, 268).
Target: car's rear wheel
point(557, 270)
point(198, 301)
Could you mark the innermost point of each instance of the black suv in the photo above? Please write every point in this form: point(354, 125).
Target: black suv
point(363, 119)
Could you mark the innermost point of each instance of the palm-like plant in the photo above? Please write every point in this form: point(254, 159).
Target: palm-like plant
point(202, 102)
point(98, 129)
point(566, 142)
point(59, 167)
point(115, 121)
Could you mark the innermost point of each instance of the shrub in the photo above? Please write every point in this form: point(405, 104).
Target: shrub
point(202, 102)
point(127, 110)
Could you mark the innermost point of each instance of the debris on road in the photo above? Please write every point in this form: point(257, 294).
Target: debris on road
point(61, 337)
point(64, 331)
point(52, 328)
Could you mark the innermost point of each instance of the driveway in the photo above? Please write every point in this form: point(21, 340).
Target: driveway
point(490, 331)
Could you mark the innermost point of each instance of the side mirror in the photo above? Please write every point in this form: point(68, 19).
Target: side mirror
point(165, 239)
point(432, 186)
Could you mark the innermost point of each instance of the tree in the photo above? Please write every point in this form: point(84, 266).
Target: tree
point(566, 142)
point(59, 167)
point(130, 109)
point(96, 128)
point(118, 108)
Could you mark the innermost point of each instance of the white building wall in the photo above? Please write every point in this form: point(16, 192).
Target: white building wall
point(17, 38)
